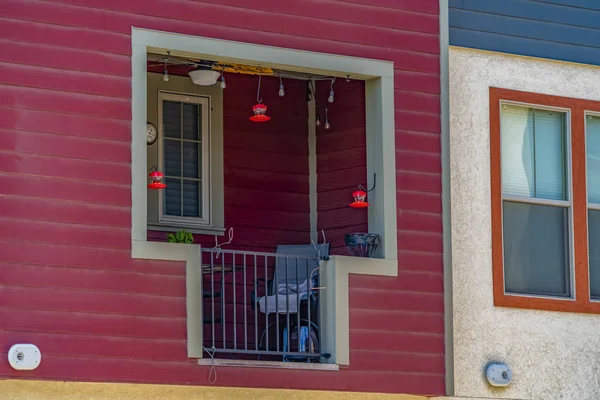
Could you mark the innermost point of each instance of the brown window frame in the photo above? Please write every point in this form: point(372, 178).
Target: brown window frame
point(581, 301)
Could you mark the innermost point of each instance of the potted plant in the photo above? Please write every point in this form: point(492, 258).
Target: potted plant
point(181, 236)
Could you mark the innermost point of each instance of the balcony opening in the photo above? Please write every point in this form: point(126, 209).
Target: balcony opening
point(281, 188)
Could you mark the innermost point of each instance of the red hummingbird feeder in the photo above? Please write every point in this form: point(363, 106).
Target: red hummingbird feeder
point(259, 109)
point(359, 199)
point(360, 196)
point(156, 177)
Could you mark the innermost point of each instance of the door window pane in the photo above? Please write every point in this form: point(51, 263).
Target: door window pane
point(172, 150)
point(172, 119)
point(191, 198)
point(536, 249)
point(191, 121)
point(191, 159)
point(172, 192)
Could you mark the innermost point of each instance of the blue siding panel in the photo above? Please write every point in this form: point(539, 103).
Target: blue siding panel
point(566, 30)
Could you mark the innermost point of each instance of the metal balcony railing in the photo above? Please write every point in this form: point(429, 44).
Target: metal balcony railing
point(261, 305)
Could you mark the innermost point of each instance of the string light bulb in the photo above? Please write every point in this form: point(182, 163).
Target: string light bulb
point(331, 93)
point(318, 119)
point(165, 72)
point(281, 90)
point(327, 125)
point(223, 84)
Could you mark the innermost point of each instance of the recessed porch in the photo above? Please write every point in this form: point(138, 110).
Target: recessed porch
point(287, 181)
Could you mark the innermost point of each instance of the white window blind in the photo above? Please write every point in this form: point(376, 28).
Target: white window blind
point(533, 153)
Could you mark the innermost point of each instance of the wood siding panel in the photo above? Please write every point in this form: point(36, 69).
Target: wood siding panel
point(67, 280)
point(565, 30)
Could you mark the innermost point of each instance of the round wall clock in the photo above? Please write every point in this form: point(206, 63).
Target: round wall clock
point(151, 134)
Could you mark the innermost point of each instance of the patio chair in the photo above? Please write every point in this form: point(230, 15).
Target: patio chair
point(298, 272)
point(290, 291)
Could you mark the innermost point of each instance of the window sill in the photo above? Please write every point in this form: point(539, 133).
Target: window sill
point(268, 364)
point(172, 228)
point(569, 305)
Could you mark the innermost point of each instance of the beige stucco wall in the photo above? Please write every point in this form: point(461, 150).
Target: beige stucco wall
point(553, 355)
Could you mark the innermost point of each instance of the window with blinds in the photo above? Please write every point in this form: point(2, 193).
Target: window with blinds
point(184, 155)
point(535, 201)
point(592, 142)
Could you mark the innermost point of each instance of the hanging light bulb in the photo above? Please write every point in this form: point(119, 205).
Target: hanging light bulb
point(331, 94)
point(327, 126)
point(223, 84)
point(165, 72)
point(281, 91)
point(318, 119)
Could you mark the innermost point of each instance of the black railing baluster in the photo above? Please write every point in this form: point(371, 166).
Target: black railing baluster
point(234, 302)
point(298, 301)
point(276, 284)
point(309, 294)
point(223, 300)
point(287, 311)
point(266, 304)
point(245, 308)
point(212, 295)
point(256, 306)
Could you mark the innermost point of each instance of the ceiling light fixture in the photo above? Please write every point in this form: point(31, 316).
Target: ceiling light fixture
point(204, 76)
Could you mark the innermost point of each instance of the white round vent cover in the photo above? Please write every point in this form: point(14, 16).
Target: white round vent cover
point(24, 356)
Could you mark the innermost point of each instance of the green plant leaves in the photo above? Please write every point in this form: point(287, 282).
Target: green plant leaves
point(181, 236)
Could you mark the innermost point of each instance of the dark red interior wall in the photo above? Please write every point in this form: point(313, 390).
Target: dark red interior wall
point(341, 160)
point(265, 165)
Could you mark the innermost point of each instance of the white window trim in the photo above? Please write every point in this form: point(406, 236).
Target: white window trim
point(381, 160)
point(188, 222)
point(568, 204)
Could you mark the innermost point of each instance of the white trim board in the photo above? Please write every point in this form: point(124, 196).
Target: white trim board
point(381, 160)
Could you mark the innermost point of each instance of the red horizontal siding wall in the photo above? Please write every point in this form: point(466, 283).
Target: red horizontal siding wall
point(67, 282)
